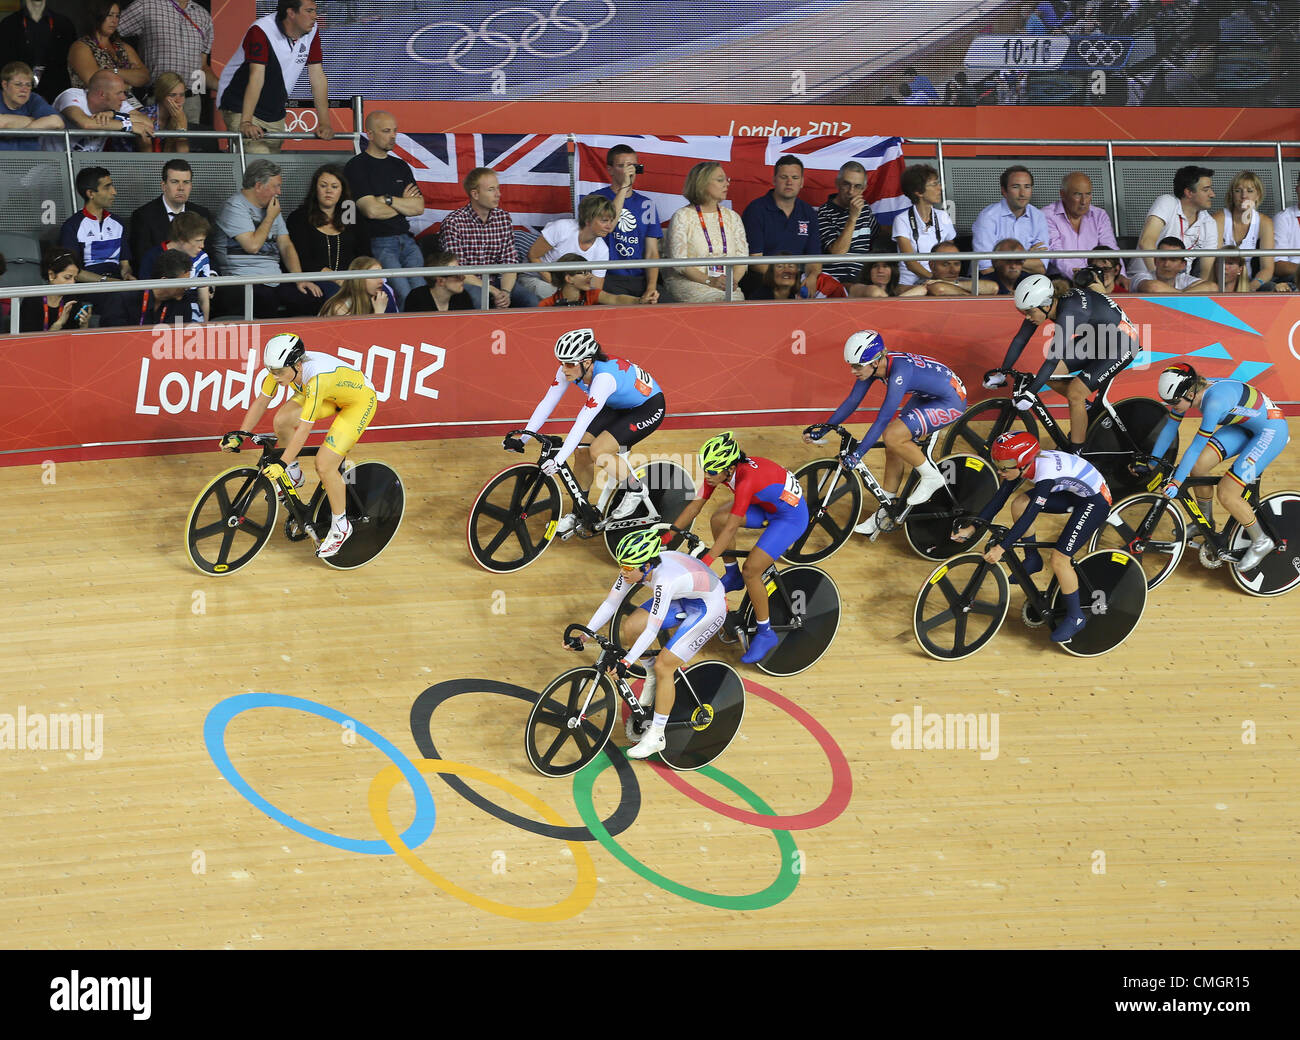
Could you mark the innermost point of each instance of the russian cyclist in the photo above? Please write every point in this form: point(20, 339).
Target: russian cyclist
point(937, 398)
point(1061, 483)
point(767, 496)
point(1236, 420)
point(624, 406)
point(683, 594)
point(318, 386)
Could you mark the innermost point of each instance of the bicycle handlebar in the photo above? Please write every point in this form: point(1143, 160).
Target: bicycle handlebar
point(548, 441)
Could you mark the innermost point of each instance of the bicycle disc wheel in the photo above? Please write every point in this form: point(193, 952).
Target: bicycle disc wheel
point(1279, 571)
point(513, 519)
point(815, 600)
point(703, 725)
point(1108, 448)
point(636, 595)
point(983, 423)
point(960, 607)
point(834, 497)
point(376, 501)
point(560, 738)
point(220, 538)
point(1112, 594)
point(1159, 552)
point(971, 485)
point(671, 487)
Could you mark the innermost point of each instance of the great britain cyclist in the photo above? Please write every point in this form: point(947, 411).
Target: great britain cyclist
point(768, 496)
point(317, 386)
point(683, 594)
point(937, 398)
point(1061, 483)
point(1092, 336)
point(1236, 420)
point(624, 406)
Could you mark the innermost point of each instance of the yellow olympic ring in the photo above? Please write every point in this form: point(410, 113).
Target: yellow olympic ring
point(584, 889)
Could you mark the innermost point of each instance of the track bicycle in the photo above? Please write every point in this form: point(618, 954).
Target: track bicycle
point(235, 515)
point(516, 515)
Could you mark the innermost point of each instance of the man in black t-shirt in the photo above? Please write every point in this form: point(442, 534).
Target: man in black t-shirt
point(41, 38)
point(386, 194)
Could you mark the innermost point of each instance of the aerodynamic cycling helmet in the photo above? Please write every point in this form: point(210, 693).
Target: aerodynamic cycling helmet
point(1034, 291)
point(638, 548)
point(576, 346)
point(719, 453)
point(1020, 448)
point(1176, 381)
point(864, 348)
point(283, 350)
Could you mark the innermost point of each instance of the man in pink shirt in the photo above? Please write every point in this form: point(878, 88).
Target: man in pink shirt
point(1073, 223)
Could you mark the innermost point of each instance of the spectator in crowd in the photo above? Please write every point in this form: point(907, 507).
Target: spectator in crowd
point(779, 222)
point(151, 223)
point(22, 109)
point(958, 91)
point(1170, 272)
point(257, 83)
point(1007, 273)
point(846, 223)
point(441, 293)
point(945, 279)
point(324, 238)
point(1243, 224)
point(167, 111)
point(56, 310)
point(879, 280)
point(783, 280)
point(166, 306)
point(98, 240)
point(188, 236)
point(1286, 235)
point(637, 229)
point(1074, 223)
point(101, 47)
point(1184, 215)
point(924, 224)
point(1235, 274)
point(40, 37)
point(175, 36)
point(579, 289)
point(361, 296)
point(1013, 217)
point(255, 241)
point(921, 86)
point(103, 106)
point(705, 228)
point(387, 195)
point(1105, 274)
point(1011, 85)
point(481, 233)
point(585, 236)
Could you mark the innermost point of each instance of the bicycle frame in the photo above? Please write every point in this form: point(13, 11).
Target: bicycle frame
point(896, 507)
point(1192, 508)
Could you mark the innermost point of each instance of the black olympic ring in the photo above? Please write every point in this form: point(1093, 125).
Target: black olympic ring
point(1101, 51)
point(629, 802)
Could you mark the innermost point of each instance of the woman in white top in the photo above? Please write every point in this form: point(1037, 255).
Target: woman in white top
point(924, 224)
point(1242, 224)
point(705, 228)
point(586, 236)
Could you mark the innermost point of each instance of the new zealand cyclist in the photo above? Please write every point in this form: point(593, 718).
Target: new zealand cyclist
point(1092, 337)
point(624, 406)
point(683, 594)
point(1236, 419)
point(767, 495)
point(319, 386)
point(1062, 483)
point(938, 398)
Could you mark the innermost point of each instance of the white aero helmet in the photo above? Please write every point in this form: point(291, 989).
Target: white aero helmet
point(864, 348)
point(575, 346)
point(1175, 382)
point(1034, 291)
point(283, 350)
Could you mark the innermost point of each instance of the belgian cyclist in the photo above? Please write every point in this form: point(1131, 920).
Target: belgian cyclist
point(938, 398)
point(1236, 420)
point(318, 386)
point(768, 496)
point(1062, 483)
point(683, 594)
point(1092, 336)
point(624, 406)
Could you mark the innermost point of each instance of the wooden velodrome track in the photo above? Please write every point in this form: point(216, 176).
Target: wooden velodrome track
point(1123, 809)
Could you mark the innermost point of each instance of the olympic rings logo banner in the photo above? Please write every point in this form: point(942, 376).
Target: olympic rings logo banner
point(546, 821)
point(491, 46)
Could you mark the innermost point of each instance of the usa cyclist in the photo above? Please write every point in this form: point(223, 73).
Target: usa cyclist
point(768, 496)
point(684, 594)
point(938, 398)
point(1092, 336)
point(1062, 483)
point(624, 406)
point(318, 386)
point(1236, 420)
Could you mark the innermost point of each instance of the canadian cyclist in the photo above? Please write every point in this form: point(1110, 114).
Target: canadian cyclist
point(1092, 336)
point(1062, 483)
point(624, 406)
point(938, 398)
point(684, 594)
point(1236, 420)
point(318, 386)
point(768, 496)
